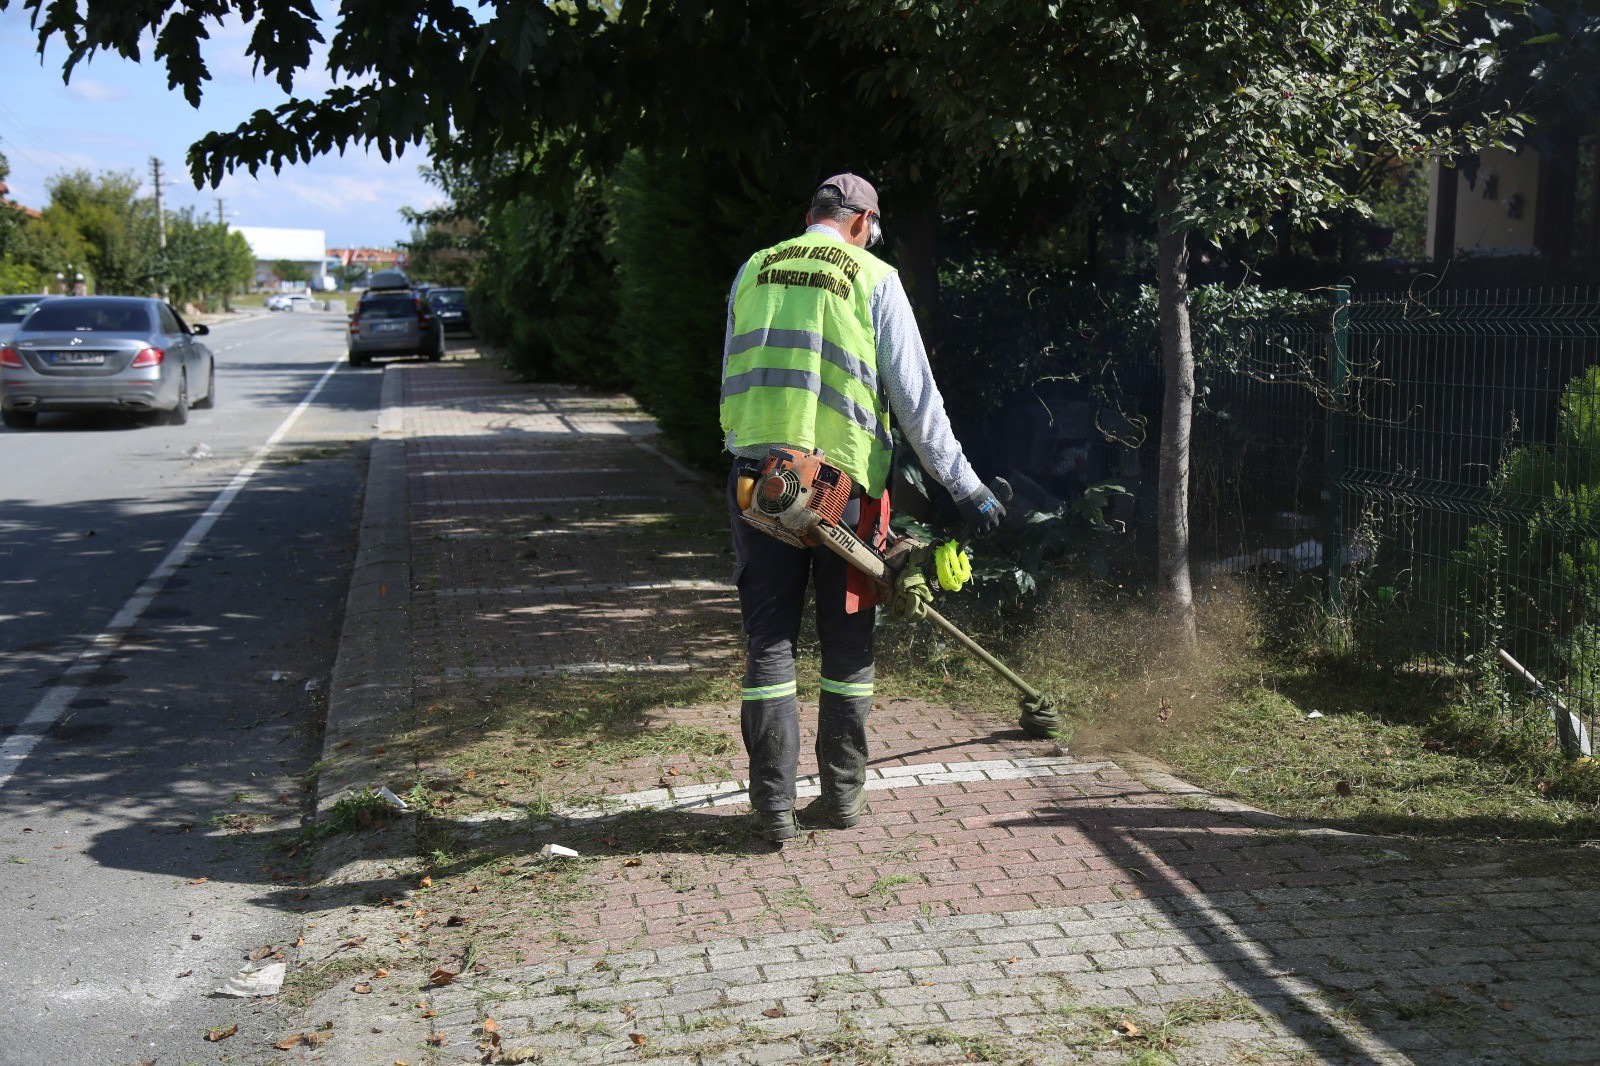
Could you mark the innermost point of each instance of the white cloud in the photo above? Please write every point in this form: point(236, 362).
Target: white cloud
point(95, 92)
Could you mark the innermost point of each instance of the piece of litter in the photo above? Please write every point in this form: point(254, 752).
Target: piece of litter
point(1314, 714)
point(278, 675)
point(557, 851)
point(255, 981)
point(199, 451)
point(311, 686)
point(387, 795)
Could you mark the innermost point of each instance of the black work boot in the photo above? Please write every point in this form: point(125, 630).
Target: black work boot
point(774, 826)
point(836, 808)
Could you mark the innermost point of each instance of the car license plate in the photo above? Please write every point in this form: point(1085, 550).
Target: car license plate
point(76, 358)
point(388, 327)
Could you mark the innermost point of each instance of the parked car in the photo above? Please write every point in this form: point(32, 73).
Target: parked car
point(396, 322)
point(13, 309)
point(105, 353)
point(288, 301)
point(388, 279)
point(451, 307)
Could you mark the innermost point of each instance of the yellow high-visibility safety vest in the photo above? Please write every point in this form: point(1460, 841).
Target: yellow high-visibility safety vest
point(803, 366)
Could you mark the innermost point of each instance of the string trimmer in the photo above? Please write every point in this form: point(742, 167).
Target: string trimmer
point(800, 499)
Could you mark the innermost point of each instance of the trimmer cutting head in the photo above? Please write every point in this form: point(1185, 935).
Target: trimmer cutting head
point(1041, 717)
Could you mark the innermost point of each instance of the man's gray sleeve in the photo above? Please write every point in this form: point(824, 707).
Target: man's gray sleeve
point(914, 399)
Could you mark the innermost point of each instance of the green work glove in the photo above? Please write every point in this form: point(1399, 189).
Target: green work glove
point(912, 595)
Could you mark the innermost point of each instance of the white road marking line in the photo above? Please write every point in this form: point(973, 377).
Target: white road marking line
point(547, 471)
point(511, 673)
point(563, 590)
point(539, 500)
point(737, 793)
point(15, 748)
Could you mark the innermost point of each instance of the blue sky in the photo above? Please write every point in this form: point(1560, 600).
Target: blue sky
point(115, 115)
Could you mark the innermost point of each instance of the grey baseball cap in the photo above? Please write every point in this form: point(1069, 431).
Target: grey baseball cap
point(859, 195)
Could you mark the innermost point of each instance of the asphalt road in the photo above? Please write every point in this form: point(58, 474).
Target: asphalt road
point(159, 710)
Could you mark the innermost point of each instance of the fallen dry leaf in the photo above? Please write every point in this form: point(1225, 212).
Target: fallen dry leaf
point(265, 950)
point(673, 772)
point(1127, 1028)
point(361, 988)
point(638, 1038)
point(290, 1042)
point(775, 1012)
point(221, 1032)
point(442, 976)
point(426, 882)
point(317, 1039)
point(199, 880)
point(429, 1014)
point(377, 751)
point(1505, 1004)
point(609, 842)
point(354, 942)
point(437, 1039)
point(633, 862)
point(490, 1025)
point(344, 743)
point(380, 972)
point(627, 1011)
point(455, 921)
point(470, 774)
point(474, 888)
point(299, 941)
point(515, 1056)
point(1343, 788)
point(1012, 959)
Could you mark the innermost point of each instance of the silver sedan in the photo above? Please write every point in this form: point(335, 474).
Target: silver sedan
point(105, 353)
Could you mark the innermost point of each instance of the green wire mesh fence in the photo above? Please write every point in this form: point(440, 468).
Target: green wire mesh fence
point(1435, 460)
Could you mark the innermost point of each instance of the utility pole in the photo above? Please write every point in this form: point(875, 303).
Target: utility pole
point(161, 218)
point(221, 218)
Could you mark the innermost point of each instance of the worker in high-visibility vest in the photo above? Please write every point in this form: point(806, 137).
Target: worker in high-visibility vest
point(821, 352)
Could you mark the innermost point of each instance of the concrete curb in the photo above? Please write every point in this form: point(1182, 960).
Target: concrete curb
point(369, 702)
point(371, 683)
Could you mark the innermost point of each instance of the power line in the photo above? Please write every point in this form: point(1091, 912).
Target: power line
point(34, 136)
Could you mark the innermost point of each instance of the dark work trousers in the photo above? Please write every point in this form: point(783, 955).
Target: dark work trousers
point(772, 577)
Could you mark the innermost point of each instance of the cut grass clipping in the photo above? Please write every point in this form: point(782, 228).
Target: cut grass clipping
point(545, 744)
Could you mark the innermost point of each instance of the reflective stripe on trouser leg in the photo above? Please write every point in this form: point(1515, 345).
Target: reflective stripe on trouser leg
point(846, 699)
point(842, 711)
point(769, 715)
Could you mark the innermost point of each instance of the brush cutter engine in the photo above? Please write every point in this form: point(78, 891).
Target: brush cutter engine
point(796, 492)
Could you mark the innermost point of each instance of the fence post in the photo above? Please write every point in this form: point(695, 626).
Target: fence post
point(1337, 372)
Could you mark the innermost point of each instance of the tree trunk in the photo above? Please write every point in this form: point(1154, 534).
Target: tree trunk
point(916, 230)
point(1177, 415)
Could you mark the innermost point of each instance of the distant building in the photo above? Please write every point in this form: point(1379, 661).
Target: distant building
point(1542, 201)
point(305, 248)
point(374, 259)
point(5, 192)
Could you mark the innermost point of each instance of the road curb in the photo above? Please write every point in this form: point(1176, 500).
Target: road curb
point(371, 684)
point(369, 703)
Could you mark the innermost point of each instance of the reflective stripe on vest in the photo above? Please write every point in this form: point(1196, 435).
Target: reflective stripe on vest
point(802, 363)
point(830, 398)
point(766, 336)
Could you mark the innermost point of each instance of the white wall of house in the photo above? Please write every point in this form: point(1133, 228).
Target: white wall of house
point(1507, 185)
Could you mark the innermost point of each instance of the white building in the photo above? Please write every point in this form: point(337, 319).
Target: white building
point(306, 248)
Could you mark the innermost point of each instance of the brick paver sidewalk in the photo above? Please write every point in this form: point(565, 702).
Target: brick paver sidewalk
point(1004, 900)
